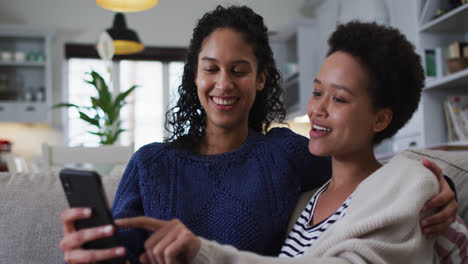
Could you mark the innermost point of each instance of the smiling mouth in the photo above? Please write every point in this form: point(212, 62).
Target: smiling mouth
point(224, 101)
point(321, 129)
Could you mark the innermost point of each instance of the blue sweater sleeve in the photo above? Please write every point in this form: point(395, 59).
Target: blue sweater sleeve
point(313, 171)
point(127, 203)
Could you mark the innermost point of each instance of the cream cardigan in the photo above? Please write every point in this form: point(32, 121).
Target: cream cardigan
point(381, 224)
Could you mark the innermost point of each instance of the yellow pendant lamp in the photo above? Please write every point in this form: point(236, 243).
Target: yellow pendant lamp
point(125, 40)
point(127, 5)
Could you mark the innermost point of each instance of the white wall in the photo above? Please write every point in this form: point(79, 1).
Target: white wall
point(403, 16)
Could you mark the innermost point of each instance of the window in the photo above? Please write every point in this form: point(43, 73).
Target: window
point(144, 115)
point(148, 104)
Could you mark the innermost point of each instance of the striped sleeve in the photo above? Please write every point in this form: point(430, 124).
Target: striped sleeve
point(452, 246)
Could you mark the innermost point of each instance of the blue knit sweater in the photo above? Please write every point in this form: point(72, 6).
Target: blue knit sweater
point(243, 198)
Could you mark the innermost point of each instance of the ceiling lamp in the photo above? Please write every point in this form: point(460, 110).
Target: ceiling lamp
point(125, 40)
point(127, 5)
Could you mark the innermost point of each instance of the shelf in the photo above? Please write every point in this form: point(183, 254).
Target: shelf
point(22, 103)
point(27, 77)
point(22, 64)
point(459, 78)
point(455, 20)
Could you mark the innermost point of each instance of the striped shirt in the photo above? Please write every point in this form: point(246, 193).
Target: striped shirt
point(302, 235)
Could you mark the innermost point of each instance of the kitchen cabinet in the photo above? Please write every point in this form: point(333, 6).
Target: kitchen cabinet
point(25, 73)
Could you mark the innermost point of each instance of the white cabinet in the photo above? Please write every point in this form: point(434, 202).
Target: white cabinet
point(25, 74)
point(295, 52)
point(428, 125)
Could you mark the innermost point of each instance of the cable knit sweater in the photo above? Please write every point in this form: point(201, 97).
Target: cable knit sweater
point(381, 224)
point(242, 198)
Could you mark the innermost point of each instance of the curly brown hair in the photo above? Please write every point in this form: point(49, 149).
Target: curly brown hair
point(186, 121)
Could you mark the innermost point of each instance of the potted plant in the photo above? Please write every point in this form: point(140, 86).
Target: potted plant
point(103, 113)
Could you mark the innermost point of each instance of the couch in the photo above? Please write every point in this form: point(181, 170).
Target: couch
point(30, 207)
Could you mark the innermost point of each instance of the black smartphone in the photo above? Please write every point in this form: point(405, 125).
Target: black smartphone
point(84, 189)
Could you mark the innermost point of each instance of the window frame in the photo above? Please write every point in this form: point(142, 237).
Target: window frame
point(163, 54)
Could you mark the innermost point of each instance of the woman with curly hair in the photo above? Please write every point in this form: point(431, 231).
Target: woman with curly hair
point(222, 171)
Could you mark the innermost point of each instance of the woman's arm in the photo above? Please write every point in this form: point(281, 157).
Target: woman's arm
point(173, 243)
point(128, 203)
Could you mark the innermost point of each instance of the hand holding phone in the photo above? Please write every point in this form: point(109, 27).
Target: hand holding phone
point(84, 189)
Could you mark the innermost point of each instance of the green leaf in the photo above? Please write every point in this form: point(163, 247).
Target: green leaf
point(64, 105)
point(95, 101)
point(105, 97)
point(97, 133)
point(100, 84)
point(88, 119)
point(123, 95)
point(119, 103)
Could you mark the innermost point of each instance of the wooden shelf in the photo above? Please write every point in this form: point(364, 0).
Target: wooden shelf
point(456, 79)
point(446, 22)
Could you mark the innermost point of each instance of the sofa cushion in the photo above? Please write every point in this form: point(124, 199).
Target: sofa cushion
point(454, 165)
point(30, 208)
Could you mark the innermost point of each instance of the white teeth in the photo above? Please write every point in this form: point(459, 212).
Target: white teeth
point(322, 128)
point(222, 101)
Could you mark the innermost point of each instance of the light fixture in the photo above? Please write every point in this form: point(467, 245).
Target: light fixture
point(127, 5)
point(125, 40)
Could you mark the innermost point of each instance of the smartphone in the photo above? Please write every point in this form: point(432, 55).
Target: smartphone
point(84, 189)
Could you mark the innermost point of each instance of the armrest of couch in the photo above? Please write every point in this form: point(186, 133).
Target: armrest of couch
point(454, 165)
